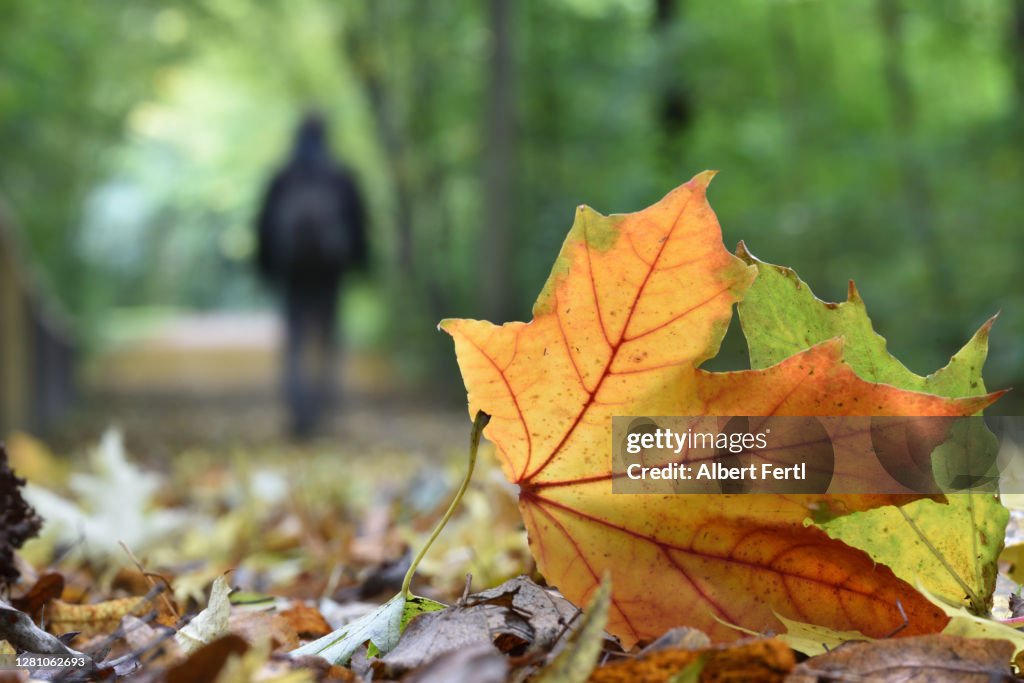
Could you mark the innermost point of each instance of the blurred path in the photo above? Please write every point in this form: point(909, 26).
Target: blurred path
point(210, 381)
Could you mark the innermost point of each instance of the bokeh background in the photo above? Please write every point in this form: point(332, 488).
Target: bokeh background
point(874, 140)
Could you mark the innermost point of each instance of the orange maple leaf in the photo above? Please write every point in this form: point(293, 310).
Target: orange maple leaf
point(634, 304)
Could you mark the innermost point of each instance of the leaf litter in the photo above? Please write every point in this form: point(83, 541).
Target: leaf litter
point(319, 546)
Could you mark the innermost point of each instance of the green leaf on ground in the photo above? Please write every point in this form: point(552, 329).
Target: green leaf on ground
point(809, 639)
point(381, 629)
point(814, 640)
point(951, 548)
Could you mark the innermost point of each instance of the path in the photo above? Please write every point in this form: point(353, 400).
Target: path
point(210, 380)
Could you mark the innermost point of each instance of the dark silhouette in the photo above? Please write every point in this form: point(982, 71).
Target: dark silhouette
point(311, 232)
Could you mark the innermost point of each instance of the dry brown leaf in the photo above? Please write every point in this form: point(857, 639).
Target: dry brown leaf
point(101, 618)
point(767, 660)
point(203, 665)
point(159, 650)
point(922, 659)
point(47, 587)
point(256, 627)
point(478, 663)
point(307, 621)
point(132, 581)
point(432, 635)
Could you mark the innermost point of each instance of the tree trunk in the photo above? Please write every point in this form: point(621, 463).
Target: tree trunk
point(498, 220)
point(675, 110)
point(919, 202)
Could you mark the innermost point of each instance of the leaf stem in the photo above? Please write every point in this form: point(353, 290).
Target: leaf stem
point(479, 423)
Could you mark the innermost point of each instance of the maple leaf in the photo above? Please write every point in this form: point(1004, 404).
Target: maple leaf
point(952, 549)
point(634, 304)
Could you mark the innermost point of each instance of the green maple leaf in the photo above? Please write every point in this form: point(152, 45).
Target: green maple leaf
point(951, 549)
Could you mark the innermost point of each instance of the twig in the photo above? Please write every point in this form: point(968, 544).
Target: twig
point(149, 579)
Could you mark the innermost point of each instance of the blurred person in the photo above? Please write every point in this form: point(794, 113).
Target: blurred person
point(311, 231)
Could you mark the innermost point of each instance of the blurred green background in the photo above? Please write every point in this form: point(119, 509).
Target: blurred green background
point(878, 140)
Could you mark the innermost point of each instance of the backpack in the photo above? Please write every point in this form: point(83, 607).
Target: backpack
point(309, 229)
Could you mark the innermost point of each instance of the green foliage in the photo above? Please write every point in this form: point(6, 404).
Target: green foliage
point(861, 143)
point(380, 628)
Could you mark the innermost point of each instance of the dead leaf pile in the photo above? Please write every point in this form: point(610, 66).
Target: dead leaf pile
point(277, 566)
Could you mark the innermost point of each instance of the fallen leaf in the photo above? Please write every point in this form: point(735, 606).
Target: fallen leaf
point(211, 623)
point(97, 522)
point(924, 659)
point(540, 616)
point(381, 629)
point(255, 665)
point(809, 639)
point(679, 638)
point(47, 587)
point(134, 581)
point(781, 316)
point(1013, 557)
point(514, 617)
point(159, 650)
point(207, 660)
point(432, 635)
point(949, 544)
point(307, 621)
point(764, 659)
point(256, 626)
point(96, 619)
point(964, 623)
point(815, 640)
point(634, 304)
point(579, 657)
point(480, 663)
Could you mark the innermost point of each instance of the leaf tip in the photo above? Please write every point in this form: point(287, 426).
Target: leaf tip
point(852, 294)
point(702, 180)
point(445, 325)
point(744, 254)
point(979, 403)
point(453, 326)
point(996, 395)
point(986, 327)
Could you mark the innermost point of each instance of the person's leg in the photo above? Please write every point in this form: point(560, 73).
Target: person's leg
point(296, 365)
point(326, 341)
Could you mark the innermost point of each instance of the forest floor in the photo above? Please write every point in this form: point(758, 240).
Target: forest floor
point(204, 481)
point(205, 484)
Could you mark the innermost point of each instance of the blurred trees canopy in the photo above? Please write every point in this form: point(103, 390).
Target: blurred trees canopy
point(880, 140)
